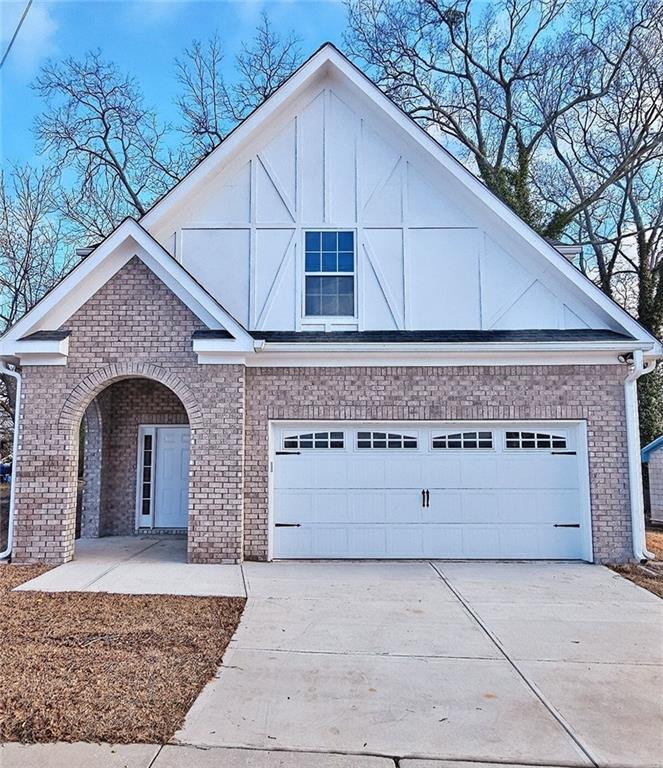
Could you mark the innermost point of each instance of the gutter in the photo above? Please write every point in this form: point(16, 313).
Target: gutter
point(466, 347)
point(12, 492)
point(637, 368)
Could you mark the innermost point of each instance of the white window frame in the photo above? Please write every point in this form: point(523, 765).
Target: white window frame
point(560, 433)
point(436, 435)
point(329, 319)
point(299, 433)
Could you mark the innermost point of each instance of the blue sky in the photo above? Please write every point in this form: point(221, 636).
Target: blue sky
point(142, 37)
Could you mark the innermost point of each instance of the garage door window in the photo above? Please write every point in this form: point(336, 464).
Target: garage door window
point(463, 440)
point(385, 440)
point(534, 440)
point(315, 440)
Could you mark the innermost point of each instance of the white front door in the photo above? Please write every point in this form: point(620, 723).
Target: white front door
point(171, 477)
point(425, 490)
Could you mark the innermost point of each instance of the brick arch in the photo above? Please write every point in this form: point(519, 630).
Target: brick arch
point(86, 390)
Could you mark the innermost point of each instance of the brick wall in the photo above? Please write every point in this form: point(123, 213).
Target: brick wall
point(133, 326)
point(594, 393)
point(656, 485)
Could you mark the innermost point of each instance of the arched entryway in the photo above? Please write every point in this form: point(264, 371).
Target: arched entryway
point(134, 464)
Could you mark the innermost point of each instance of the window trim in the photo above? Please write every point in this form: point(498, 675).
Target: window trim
point(561, 435)
point(413, 435)
point(298, 434)
point(436, 435)
point(329, 319)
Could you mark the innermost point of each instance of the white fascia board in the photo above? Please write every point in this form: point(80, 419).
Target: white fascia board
point(41, 351)
point(433, 355)
point(224, 351)
point(328, 56)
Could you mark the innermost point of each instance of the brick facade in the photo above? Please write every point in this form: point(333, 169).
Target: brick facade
point(593, 393)
point(132, 327)
point(135, 327)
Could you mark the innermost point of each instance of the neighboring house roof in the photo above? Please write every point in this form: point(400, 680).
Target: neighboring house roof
point(651, 448)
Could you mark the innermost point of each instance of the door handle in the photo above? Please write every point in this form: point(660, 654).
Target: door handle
point(427, 497)
point(423, 497)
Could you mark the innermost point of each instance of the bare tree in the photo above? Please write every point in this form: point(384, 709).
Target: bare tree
point(97, 126)
point(33, 249)
point(495, 79)
point(210, 105)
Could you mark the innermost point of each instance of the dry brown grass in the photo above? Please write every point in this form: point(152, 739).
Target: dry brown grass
point(649, 577)
point(101, 667)
point(655, 543)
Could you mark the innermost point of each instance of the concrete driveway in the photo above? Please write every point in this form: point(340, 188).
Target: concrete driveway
point(537, 664)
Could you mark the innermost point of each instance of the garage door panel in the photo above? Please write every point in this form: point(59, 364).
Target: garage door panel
point(542, 470)
point(367, 503)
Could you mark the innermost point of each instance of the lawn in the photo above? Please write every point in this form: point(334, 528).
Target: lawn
point(101, 667)
point(649, 576)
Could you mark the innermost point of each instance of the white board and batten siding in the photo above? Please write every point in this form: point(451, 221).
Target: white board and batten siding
point(428, 256)
point(424, 490)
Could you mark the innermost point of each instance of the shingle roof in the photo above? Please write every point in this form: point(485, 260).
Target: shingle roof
point(441, 337)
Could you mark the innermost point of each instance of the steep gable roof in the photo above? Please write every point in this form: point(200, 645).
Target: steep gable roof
point(329, 59)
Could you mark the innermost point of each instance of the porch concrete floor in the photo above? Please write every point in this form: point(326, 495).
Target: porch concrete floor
point(138, 565)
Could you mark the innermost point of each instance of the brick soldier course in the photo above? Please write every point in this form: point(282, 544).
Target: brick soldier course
point(131, 355)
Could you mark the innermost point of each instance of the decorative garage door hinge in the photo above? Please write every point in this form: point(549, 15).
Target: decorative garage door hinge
point(288, 453)
point(563, 453)
point(288, 525)
point(566, 525)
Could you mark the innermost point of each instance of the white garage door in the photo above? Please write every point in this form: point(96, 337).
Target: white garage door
point(484, 490)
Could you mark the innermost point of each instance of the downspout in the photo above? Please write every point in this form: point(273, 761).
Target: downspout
point(637, 368)
point(12, 491)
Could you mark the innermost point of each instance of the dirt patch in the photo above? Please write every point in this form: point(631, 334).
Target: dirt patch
point(655, 543)
point(649, 576)
point(100, 667)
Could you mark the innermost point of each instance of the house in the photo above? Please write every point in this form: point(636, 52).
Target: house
point(330, 340)
point(652, 456)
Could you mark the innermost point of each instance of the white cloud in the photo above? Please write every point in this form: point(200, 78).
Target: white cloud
point(35, 40)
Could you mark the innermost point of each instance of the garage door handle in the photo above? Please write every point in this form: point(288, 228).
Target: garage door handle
point(425, 498)
point(288, 453)
point(566, 525)
point(288, 525)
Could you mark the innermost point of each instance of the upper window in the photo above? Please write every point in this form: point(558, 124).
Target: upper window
point(329, 274)
point(464, 440)
point(525, 440)
point(385, 440)
point(314, 440)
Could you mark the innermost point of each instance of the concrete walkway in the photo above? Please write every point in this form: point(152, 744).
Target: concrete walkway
point(138, 565)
